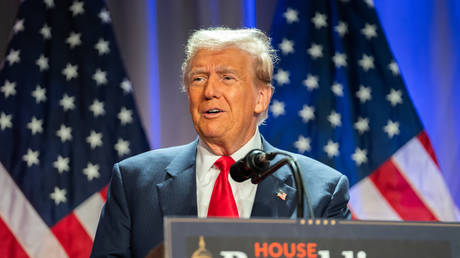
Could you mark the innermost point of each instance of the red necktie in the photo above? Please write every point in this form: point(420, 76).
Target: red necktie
point(222, 203)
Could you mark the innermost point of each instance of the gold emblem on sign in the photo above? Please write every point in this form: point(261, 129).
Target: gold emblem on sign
point(201, 252)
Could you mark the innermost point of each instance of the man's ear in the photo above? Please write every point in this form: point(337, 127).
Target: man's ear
point(264, 94)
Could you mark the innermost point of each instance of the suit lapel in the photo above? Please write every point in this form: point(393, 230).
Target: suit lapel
point(177, 194)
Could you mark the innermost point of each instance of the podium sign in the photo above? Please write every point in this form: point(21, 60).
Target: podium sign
point(191, 237)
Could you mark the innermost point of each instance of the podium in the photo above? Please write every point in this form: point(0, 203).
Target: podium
point(319, 238)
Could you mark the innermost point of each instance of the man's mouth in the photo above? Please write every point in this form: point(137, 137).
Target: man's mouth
point(213, 111)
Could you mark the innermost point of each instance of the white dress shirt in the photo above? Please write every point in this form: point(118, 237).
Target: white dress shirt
point(206, 175)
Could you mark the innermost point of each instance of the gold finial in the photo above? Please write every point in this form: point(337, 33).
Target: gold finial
point(201, 252)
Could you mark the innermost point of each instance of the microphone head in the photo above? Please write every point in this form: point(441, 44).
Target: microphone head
point(239, 172)
point(250, 166)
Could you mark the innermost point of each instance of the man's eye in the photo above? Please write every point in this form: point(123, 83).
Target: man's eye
point(227, 78)
point(197, 79)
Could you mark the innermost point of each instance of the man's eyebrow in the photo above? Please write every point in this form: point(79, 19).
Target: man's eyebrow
point(197, 71)
point(226, 70)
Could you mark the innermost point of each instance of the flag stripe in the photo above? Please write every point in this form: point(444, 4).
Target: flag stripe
point(24, 221)
point(103, 192)
point(9, 246)
point(425, 141)
point(368, 203)
point(73, 236)
point(88, 213)
point(419, 168)
point(399, 193)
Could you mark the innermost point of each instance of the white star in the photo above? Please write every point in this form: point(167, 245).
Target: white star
point(5, 121)
point(61, 164)
point(367, 62)
point(97, 108)
point(125, 116)
point(393, 66)
point(35, 125)
point(395, 97)
point(391, 128)
point(13, 57)
point(337, 89)
point(100, 77)
point(67, 102)
point(319, 20)
point(335, 119)
point(58, 195)
point(286, 46)
point(102, 47)
point(277, 108)
point(39, 94)
point(42, 63)
point(282, 77)
point(45, 31)
point(77, 8)
point(311, 82)
point(74, 39)
point(370, 3)
point(122, 147)
point(291, 15)
point(362, 125)
point(8, 89)
point(104, 16)
point(18, 26)
point(70, 71)
point(315, 51)
point(31, 158)
point(369, 31)
point(341, 28)
point(364, 93)
point(94, 139)
point(339, 59)
point(332, 149)
point(307, 113)
point(126, 86)
point(65, 133)
point(359, 156)
point(91, 171)
point(49, 3)
point(302, 144)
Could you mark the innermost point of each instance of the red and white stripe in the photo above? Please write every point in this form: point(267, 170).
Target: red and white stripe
point(408, 186)
point(23, 233)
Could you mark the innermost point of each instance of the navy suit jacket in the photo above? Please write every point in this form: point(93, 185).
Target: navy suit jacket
point(159, 183)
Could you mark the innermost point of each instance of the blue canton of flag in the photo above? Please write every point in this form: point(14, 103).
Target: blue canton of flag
point(340, 99)
point(67, 114)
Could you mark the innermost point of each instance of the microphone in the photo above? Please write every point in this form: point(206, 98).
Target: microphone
point(254, 163)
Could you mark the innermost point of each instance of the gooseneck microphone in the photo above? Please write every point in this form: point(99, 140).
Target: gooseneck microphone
point(254, 163)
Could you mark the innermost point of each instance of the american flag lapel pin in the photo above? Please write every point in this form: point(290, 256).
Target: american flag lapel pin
point(281, 194)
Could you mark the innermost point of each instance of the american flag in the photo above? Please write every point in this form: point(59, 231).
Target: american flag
point(340, 99)
point(67, 114)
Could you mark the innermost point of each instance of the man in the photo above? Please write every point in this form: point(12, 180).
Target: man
point(227, 76)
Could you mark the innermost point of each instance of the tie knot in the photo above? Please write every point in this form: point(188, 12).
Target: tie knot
point(224, 163)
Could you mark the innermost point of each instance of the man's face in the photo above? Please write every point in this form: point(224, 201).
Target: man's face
point(223, 96)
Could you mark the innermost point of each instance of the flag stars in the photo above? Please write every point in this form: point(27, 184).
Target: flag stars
point(369, 3)
point(394, 97)
point(35, 125)
point(302, 144)
point(291, 15)
point(100, 77)
point(311, 82)
point(335, 119)
point(13, 57)
point(319, 20)
point(359, 156)
point(122, 147)
point(18, 26)
point(39, 94)
point(315, 51)
point(364, 94)
point(125, 115)
point(46, 32)
point(362, 125)
point(70, 72)
point(277, 108)
point(282, 77)
point(31, 158)
point(91, 171)
point(67, 102)
point(61, 164)
point(341, 28)
point(332, 149)
point(102, 47)
point(307, 113)
point(42, 63)
point(366, 62)
point(77, 8)
point(59, 195)
point(337, 89)
point(339, 59)
point(104, 16)
point(64, 133)
point(97, 108)
point(49, 3)
point(74, 39)
point(393, 66)
point(369, 31)
point(286, 46)
point(391, 128)
point(94, 139)
point(8, 89)
point(5, 121)
point(126, 86)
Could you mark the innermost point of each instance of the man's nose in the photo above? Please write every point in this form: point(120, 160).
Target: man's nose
point(213, 87)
